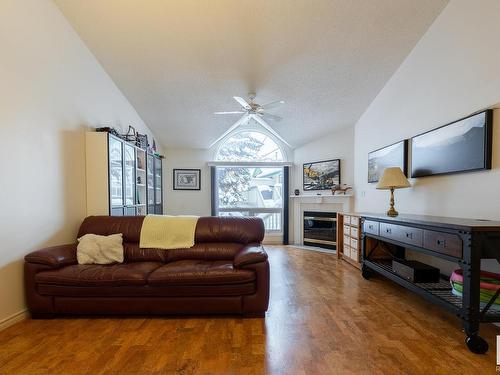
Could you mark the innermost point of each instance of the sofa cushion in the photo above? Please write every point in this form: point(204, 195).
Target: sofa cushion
point(96, 249)
point(199, 272)
point(129, 226)
point(99, 275)
point(201, 251)
point(230, 229)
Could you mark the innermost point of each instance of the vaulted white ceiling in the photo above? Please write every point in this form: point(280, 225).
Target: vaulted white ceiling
point(179, 61)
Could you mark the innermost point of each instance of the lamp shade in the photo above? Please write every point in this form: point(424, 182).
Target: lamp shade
point(393, 178)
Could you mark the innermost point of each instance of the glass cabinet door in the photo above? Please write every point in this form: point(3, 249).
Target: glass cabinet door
point(141, 193)
point(158, 187)
point(158, 181)
point(116, 176)
point(151, 184)
point(129, 178)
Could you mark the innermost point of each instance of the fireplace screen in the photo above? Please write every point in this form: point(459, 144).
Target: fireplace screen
point(320, 229)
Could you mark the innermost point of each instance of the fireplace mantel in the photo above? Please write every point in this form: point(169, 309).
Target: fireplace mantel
point(322, 203)
point(310, 198)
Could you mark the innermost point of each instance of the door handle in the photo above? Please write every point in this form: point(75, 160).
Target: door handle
point(441, 243)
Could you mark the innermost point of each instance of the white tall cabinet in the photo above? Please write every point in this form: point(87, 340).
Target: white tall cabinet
point(118, 178)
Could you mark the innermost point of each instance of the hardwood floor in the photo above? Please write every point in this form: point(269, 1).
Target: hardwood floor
point(323, 319)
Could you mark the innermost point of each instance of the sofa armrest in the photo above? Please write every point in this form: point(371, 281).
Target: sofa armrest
point(54, 257)
point(250, 254)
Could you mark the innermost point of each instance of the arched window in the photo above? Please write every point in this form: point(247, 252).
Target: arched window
point(249, 145)
point(250, 190)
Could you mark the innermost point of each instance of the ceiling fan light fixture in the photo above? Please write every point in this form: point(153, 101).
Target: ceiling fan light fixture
point(256, 112)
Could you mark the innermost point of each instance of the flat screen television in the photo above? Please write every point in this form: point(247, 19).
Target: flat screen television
point(462, 146)
point(321, 175)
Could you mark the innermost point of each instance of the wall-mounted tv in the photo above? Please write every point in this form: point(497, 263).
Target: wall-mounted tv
point(321, 175)
point(461, 146)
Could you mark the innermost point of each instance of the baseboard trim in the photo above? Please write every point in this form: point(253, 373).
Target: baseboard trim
point(13, 319)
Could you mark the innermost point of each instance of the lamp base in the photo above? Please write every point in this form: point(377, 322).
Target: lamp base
point(392, 212)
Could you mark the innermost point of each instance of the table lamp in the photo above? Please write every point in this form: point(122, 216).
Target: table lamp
point(393, 178)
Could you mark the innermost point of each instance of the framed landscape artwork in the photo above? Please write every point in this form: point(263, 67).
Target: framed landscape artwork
point(395, 155)
point(321, 175)
point(461, 146)
point(187, 179)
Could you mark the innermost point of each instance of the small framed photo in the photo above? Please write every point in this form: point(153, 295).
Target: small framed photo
point(187, 179)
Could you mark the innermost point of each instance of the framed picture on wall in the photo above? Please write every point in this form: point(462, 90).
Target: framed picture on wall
point(187, 179)
point(321, 175)
point(461, 146)
point(395, 155)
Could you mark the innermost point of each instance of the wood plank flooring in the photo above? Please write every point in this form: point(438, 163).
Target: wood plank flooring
point(323, 319)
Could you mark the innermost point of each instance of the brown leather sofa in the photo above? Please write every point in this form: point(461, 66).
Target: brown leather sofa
point(225, 272)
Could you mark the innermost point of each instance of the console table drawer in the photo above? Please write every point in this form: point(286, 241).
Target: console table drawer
point(444, 243)
point(371, 227)
point(354, 243)
point(354, 232)
point(409, 235)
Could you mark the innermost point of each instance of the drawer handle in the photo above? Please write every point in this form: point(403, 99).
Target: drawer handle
point(409, 235)
point(388, 230)
point(370, 226)
point(441, 243)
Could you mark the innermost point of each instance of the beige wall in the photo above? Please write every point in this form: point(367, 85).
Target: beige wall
point(51, 89)
point(452, 72)
point(336, 145)
point(183, 202)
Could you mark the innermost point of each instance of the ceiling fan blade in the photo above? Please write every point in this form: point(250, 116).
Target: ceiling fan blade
point(266, 126)
point(277, 103)
point(229, 113)
point(268, 116)
point(242, 102)
point(234, 126)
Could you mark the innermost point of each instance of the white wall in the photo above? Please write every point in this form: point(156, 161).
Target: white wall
point(453, 71)
point(183, 202)
point(336, 145)
point(52, 89)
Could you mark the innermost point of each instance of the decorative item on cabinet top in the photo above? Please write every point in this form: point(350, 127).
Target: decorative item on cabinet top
point(393, 178)
point(349, 238)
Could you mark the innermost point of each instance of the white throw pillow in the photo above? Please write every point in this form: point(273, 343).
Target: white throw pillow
point(95, 249)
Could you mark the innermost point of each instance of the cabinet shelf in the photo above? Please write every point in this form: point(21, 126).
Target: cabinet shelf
point(441, 289)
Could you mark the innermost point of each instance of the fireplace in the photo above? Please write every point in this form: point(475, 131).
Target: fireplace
point(320, 229)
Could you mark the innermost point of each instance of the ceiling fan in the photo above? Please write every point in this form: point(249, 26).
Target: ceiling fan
point(252, 110)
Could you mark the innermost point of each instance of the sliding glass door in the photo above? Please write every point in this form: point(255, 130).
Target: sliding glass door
point(251, 191)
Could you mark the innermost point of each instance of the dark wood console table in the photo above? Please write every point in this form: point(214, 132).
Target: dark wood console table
point(462, 241)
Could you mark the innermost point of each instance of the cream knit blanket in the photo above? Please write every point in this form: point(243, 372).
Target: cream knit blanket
point(168, 232)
